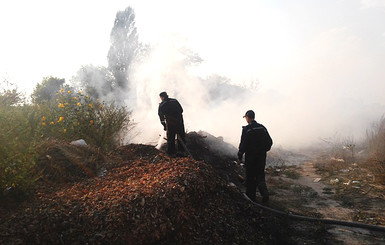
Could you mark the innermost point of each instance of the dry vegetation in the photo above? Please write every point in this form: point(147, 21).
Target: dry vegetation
point(356, 179)
point(345, 155)
point(376, 147)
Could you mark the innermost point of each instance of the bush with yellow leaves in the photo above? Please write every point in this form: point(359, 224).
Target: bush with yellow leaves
point(73, 115)
point(70, 116)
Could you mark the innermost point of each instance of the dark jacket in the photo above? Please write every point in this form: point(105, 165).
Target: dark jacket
point(255, 139)
point(170, 111)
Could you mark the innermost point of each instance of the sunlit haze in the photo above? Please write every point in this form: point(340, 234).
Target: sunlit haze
point(318, 66)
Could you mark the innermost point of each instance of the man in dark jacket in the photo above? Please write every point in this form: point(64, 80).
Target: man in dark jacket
point(255, 142)
point(170, 115)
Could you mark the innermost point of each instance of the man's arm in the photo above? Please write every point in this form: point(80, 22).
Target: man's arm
point(242, 144)
point(269, 141)
point(179, 107)
point(161, 117)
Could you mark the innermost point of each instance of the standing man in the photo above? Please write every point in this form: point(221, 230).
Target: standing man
point(170, 114)
point(255, 142)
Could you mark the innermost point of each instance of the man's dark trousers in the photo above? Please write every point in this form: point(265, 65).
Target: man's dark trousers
point(171, 133)
point(255, 175)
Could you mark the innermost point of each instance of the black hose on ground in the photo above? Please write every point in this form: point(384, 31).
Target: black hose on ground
point(325, 221)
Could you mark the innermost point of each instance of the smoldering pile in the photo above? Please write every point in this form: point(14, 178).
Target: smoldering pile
point(220, 155)
point(147, 198)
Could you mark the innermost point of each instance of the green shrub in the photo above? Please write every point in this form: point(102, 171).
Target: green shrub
point(292, 174)
point(69, 116)
point(17, 153)
point(73, 116)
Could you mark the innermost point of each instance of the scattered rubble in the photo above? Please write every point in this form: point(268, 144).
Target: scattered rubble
point(334, 181)
point(316, 180)
point(79, 142)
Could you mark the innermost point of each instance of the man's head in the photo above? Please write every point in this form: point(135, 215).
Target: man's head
point(163, 96)
point(249, 115)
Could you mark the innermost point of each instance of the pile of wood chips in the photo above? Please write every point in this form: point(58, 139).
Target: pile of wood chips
point(149, 198)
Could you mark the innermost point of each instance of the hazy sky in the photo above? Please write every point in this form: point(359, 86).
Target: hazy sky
point(326, 56)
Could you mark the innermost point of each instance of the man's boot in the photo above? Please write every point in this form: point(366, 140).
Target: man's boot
point(264, 192)
point(265, 199)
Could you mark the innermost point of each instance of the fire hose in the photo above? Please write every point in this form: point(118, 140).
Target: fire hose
point(179, 138)
point(324, 221)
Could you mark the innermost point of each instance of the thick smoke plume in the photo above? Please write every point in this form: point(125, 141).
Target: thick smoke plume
point(295, 116)
point(209, 104)
point(214, 105)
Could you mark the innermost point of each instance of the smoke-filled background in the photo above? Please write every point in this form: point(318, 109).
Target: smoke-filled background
point(310, 70)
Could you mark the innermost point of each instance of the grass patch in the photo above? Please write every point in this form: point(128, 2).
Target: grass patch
point(292, 174)
point(347, 202)
point(330, 167)
point(304, 191)
point(327, 190)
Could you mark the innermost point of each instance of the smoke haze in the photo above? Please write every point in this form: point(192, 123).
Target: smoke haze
point(304, 114)
point(311, 69)
point(327, 87)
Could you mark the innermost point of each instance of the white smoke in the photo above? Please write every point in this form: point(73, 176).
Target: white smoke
point(208, 104)
point(326, 86)
point(293, 118)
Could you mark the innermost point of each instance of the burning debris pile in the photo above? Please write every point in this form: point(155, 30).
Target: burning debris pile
point(147, 198)
point(217, 153)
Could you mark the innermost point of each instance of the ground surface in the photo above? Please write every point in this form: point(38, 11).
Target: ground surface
point(138, 195)
point(347, 193)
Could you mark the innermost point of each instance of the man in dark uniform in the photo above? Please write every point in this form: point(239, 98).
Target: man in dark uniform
point(255, 142)
point(170, 114)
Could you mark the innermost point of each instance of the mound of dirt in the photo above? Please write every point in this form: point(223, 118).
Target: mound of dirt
point(154, 200)
point(62, 162)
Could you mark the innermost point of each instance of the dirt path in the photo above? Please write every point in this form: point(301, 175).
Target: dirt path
point(308, 195)
point(324, 204)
